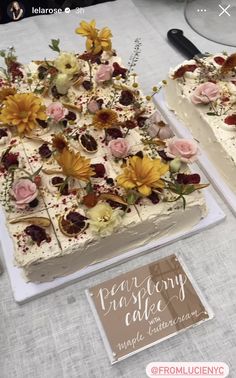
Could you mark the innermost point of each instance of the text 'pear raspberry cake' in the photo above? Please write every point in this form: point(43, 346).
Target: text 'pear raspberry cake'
point(89, 169)
point(202, 92)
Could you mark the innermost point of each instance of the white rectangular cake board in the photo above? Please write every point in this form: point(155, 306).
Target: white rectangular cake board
point(24, 291)
point(203, 161)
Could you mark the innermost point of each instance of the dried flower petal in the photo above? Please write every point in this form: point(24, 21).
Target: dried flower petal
point(39, 221)
point(44, 151)
point(118, 70)
point(112, 197)
point(90, 200)
point(229, 64)
point(37, 234)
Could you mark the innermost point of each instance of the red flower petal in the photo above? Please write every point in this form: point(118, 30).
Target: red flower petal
point(225, 99)
point(230, 120)
point(194, 178)
point(219, 60)
point(181, 71)
point(99, 169)
point(118, 70)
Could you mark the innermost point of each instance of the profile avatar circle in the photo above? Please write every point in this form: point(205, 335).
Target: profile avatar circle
point(15, 10)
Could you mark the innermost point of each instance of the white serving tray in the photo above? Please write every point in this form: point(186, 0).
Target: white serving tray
point(24, 291)
point(203, 161)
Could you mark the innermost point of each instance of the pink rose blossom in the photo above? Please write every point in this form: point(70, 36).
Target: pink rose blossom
point(56, 111)
point(24, 191)
point(119, 147)
point(185, 149)
point(205, 93)
point(93, 106)
point(104, 73)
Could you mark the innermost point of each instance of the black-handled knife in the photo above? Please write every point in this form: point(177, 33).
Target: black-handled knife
point(183, 44)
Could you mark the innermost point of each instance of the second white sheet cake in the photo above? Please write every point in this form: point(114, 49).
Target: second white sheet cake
point(202, 95)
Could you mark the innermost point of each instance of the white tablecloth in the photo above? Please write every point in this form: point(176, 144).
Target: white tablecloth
point(56, 336)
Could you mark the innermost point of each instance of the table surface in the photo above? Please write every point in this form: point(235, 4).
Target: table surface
point(56, 336)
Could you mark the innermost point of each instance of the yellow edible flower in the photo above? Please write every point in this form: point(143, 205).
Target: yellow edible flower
point(74, 165)
point(22, 111)
point(104, 118)
point(97, 40)
point(104, 38)
point(5, 92)
point(59, 142)
point(87, 29)
point(143, 174)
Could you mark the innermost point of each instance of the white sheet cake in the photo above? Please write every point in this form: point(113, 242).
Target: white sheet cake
point(88, 168)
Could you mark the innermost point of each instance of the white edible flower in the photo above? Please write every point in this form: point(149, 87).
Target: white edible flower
point(63, 83)
point(104, 219)
point(106, 55)
point(231, 88)
point(67, 63)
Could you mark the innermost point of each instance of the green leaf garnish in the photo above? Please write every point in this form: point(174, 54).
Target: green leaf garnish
point(55, 45)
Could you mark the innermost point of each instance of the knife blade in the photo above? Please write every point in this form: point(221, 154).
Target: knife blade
point(184, 45)
point(1, 268)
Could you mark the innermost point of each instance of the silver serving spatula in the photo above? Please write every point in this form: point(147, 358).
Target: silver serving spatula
point(184, 45)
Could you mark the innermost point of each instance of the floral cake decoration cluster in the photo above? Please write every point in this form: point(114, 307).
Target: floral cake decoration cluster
point(220, 97)
point(60, 108)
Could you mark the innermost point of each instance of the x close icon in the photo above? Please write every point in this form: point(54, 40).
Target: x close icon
point(224, 10)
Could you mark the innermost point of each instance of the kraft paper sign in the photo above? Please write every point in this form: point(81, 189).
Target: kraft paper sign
point(145, 306)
